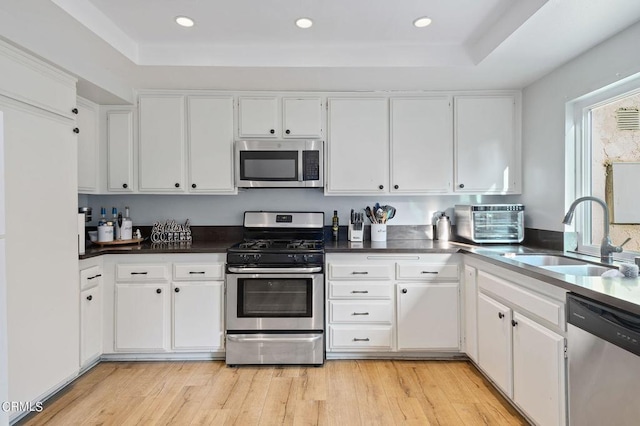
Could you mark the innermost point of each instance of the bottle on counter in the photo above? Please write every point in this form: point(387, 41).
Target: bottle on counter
point(443, 228)
point(335, 225)
point(116, 223)
point(126, 232)
point(103, 216)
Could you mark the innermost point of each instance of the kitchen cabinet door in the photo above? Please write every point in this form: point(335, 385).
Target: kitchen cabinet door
point(198, 315)
point(210, 142)
point(358, 146)
point(120, 151)
point(487, 144)
point(427, 316)
point(258, 117)
point(87, 123)
point(494, 342)
point(421, 145)
point(142, 316)
point(301, 118)
point(471, 312)
point(161, 144)
point(538, 372)
point(90, 324)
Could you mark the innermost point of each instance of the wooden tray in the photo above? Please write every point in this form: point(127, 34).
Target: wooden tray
point(118, 242)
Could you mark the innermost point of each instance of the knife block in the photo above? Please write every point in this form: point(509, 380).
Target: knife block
point(356, 234)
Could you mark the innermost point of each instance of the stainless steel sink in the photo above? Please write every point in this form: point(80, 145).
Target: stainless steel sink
point(544, 259)
point(584, 270)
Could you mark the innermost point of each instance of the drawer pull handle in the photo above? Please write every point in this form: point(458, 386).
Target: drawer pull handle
point(94, 277)
point(355, 339)
point(139, 273)
point(430, 272)
point(359, 273)
point(500, 315)
point(360, 313)
point(197, 272)
point(360, 292)
point(514, 323)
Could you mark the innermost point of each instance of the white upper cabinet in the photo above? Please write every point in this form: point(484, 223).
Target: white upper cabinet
point(358, 146)
point(161, 143)
point(421, 145)
point(487, 144)
point(88, 165)
point(274, 117)
point(120, 151)
point(302, 118)
point(210, 144)
point(258, 117)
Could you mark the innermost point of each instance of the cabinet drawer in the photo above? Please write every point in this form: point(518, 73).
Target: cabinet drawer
point(427, 271)
point(360, 290)
point(370, 337)
point(198, 271)
point(135, 272)
point(90, 277)
point(360, 312)
point(360, 272)
point(549, 310)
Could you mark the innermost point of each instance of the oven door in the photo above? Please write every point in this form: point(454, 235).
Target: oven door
point(259, 299)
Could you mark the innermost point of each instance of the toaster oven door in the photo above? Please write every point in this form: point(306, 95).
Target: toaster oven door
point(498, 226)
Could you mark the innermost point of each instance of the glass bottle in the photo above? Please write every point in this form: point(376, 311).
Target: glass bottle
point(335, 225)
point(103, 217)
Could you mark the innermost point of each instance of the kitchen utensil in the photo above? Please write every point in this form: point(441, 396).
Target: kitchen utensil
point(370, 214)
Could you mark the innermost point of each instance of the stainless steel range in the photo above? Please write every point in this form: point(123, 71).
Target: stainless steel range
point(275, 290)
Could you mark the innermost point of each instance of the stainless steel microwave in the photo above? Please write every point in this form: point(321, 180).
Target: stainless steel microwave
point(490, 223)
point(279, 164)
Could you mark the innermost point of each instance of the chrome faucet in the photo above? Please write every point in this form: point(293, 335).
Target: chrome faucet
point(606, 248)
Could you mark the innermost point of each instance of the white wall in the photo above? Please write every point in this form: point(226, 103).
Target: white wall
point(543, 123)
point(227, 210)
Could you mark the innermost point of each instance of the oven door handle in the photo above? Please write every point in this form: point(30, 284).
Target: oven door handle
point(271, 339)
point(310, 270)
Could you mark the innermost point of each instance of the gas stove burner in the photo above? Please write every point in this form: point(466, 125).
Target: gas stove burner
point(255, 244)
point(304, 245)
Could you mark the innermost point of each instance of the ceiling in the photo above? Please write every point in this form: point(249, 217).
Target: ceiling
point(353, 44)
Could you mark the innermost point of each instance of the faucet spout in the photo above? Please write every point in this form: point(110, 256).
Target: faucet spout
point(606, 248)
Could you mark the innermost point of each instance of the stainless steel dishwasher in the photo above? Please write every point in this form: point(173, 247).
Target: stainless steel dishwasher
point(604, 364)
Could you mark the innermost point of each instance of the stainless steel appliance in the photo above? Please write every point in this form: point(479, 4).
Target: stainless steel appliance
point(275, 290)
point(604, 364)
point(490, 223)
point(279, 163)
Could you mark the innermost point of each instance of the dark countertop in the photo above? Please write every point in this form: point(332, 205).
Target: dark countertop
point(623, 293)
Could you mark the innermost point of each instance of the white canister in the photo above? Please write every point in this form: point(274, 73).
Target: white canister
point(105, 233)
point(378, 232)
point(126, 231)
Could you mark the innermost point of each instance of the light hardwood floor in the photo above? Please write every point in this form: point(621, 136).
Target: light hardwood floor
point(345, 393)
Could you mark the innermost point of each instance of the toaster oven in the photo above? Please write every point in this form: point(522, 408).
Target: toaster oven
point(490, 223)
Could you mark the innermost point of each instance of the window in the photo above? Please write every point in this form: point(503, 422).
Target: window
point(594, 145)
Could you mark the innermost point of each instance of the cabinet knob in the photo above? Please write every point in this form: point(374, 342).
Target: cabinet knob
point(89, 297)
point(193, 185)
point(461, 185)
point(177, 185)
point(500, 315)
point(177, 290)
point(74, 110)
point(404, 291)
point(381, 187)
point(159, 290)
point(125, 186)
point(272, 131)
point(76, 130)
point(287, 131)
point(514, 323)
point(395, 187)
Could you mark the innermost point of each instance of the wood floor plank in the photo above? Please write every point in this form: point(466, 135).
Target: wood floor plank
point(341, 393)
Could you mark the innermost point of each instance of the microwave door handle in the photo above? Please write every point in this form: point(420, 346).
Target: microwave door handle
point(300, 165)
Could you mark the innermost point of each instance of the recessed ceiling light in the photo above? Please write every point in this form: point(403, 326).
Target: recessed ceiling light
point(304, 23)
point(422, 22)
point(184, 21)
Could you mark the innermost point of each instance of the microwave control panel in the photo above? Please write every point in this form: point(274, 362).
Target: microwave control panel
point(311, 165)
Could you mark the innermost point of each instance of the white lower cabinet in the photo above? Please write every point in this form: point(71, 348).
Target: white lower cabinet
point(91, 301)
point(521, 347)
point(197, 317)
point(392, 303)
point(167, 303)
point(470, 292)
point(141, 316)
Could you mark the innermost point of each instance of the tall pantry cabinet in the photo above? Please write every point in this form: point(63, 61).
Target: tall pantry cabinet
point(41, 175)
